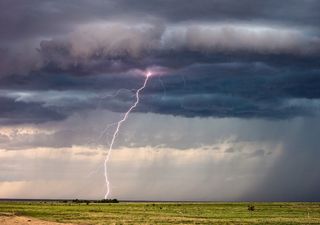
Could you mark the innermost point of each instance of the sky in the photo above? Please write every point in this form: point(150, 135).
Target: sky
point(231, 112)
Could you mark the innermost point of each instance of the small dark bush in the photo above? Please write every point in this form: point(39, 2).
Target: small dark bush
point(251, 208)
point(18, 213)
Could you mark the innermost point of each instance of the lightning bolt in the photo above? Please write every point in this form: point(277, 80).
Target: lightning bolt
point(119, 123)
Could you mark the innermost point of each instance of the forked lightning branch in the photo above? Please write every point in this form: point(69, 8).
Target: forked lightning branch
point(115, 134)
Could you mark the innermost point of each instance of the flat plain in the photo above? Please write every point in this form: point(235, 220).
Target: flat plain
point(163, 213)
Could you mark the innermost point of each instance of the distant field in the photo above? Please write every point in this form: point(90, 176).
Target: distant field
point(167, 213)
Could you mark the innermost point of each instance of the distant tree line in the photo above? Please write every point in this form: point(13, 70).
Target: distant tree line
point(79, 201)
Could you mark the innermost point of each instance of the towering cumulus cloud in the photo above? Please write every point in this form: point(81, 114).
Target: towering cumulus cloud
point(249, 68)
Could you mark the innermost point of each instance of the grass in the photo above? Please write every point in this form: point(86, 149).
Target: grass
point(167, 213)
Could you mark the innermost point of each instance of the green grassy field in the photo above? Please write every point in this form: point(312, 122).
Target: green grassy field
point(167, 213)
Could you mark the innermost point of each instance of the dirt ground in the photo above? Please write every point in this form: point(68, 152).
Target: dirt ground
point(21, 220)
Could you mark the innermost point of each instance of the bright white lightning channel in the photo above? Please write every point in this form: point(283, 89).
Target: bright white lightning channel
point(119, 123)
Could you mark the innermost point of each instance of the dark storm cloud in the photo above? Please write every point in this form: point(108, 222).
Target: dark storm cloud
point(292, 11)
point(21, 19)
point(13, 112)
point(36, 18)
point(64, 65)
point(223, 58)
point(242, 89)
point(291, 26)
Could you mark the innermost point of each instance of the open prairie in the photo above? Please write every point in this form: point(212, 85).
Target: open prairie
point(159, 213)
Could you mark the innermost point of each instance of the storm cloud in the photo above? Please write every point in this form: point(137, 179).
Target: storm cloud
point(233, 81)
point(222, 59)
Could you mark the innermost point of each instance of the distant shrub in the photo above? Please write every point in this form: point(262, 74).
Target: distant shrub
point(251, 208)
point(76, 201)
point(18, 213)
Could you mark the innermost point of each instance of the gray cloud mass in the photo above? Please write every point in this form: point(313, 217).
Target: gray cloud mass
point(236, 84)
